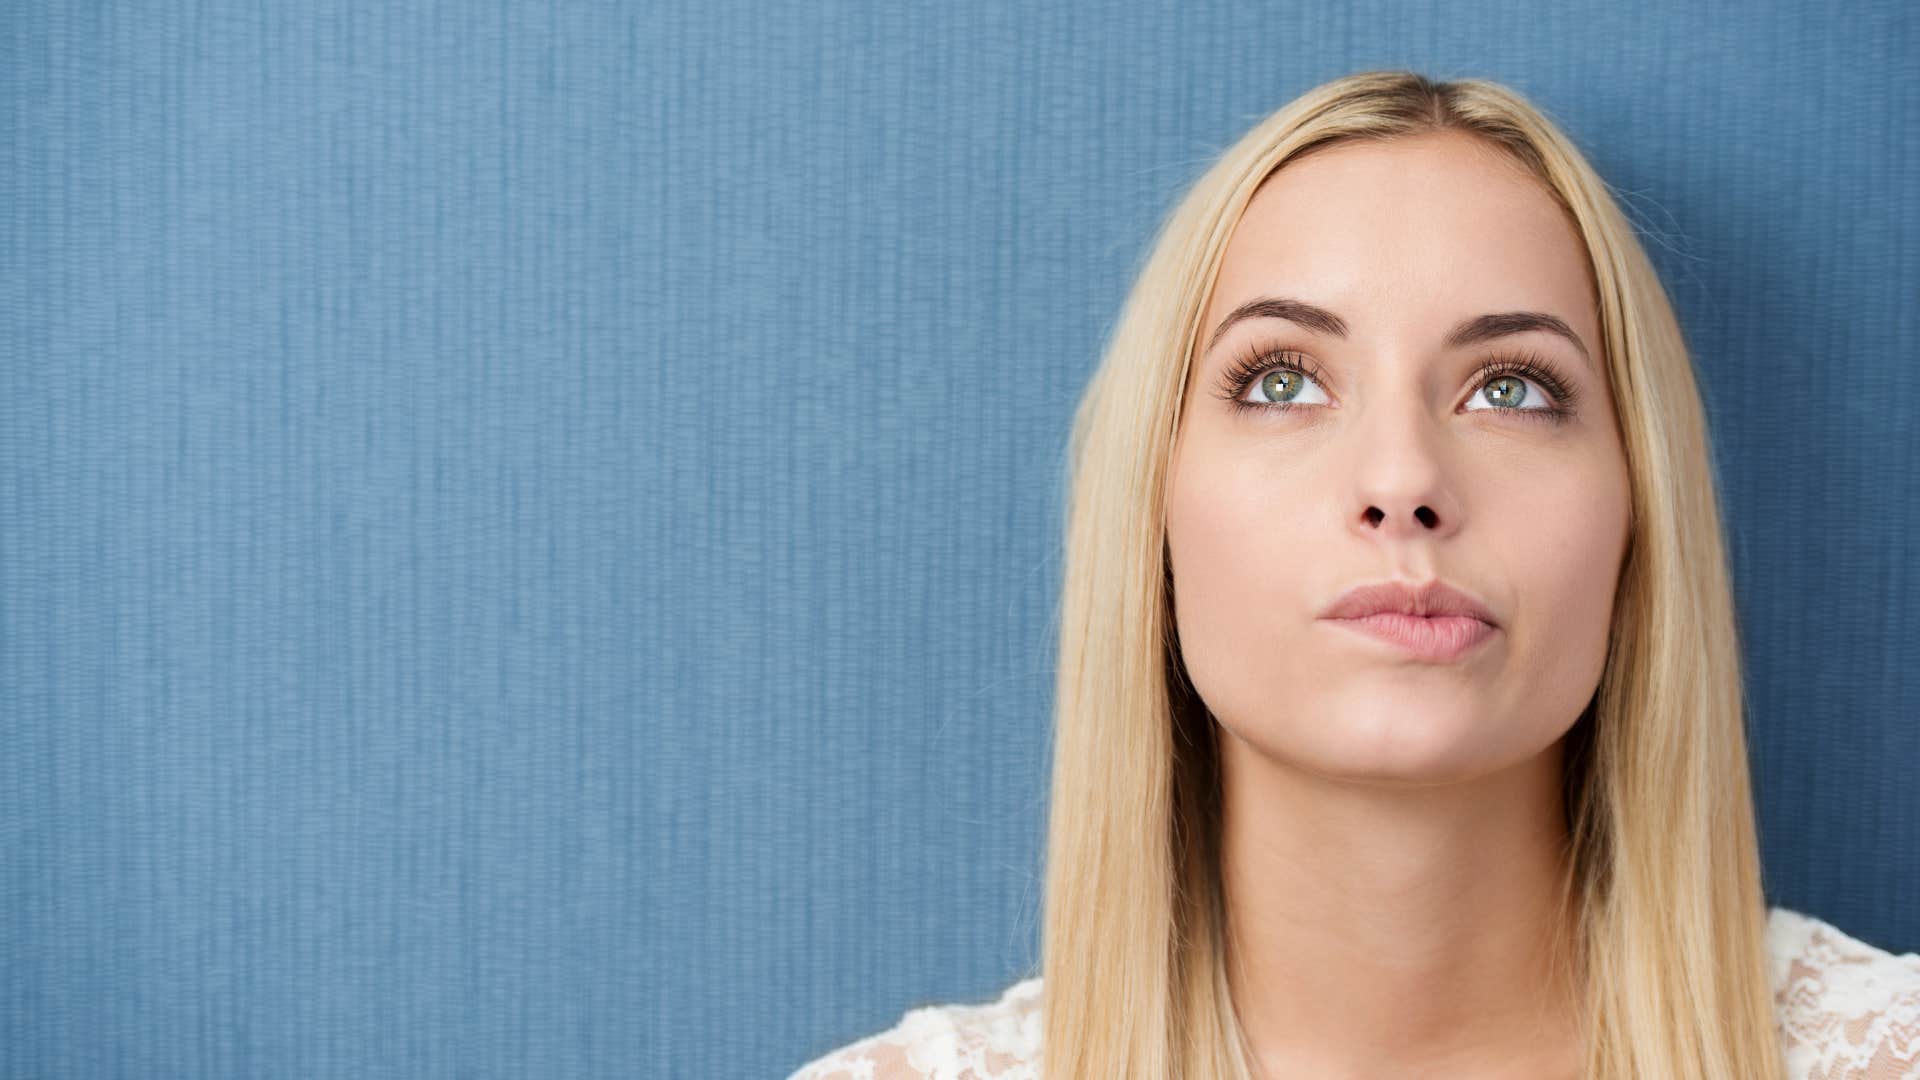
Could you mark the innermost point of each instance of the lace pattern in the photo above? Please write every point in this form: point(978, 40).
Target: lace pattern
point(1845, 1010)
point(999, 1040)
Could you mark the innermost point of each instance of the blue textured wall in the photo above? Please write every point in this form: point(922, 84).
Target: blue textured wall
point(528, 532)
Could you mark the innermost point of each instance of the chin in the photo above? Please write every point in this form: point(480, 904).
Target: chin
point(1409, 762)
point(1380, 737)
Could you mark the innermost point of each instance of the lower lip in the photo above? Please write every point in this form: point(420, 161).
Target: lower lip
point(1435, 638)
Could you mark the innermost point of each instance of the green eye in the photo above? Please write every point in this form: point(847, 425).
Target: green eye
point(1272, 381)
point(1506, 390)
point(1281, 384)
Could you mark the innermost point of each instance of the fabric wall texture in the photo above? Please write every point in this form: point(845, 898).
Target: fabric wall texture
point(529, 532)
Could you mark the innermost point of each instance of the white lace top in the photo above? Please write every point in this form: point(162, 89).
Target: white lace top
point(1845, 1010)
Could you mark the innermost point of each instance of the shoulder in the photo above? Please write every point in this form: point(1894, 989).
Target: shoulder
point(994, 1040)
point(1845, 1008)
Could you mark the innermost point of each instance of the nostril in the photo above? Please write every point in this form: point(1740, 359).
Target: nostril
point(1426, 516)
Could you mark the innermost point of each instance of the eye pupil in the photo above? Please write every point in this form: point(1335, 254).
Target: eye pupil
point(1267, 386)
point(1506, 390)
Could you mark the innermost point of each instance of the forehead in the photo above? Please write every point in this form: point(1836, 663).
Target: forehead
point(1408, 234)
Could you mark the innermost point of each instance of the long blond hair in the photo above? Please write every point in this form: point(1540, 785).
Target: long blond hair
point(1664, 877)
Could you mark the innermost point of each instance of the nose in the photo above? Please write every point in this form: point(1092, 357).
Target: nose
point(1400, 481)
point(1425, 518)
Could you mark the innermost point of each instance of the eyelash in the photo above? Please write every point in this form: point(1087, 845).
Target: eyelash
point(1528, 365)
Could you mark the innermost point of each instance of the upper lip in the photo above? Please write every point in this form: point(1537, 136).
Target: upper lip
point(1405, 598)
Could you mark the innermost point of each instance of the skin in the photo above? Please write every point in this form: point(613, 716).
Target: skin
point(1392, 831)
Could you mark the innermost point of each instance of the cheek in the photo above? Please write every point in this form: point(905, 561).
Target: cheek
point(1241, 548)
point(1559, 548)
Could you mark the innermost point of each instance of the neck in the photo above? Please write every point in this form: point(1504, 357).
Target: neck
point(1379, 929)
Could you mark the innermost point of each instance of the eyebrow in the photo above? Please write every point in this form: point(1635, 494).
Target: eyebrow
point(1468, 332)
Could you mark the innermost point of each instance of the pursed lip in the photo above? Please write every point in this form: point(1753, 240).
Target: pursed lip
point(1434, 597)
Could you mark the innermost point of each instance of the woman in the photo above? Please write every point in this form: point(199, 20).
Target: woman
point(1398, 721)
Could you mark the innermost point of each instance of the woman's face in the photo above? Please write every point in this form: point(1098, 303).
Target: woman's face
point(1397, 462)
